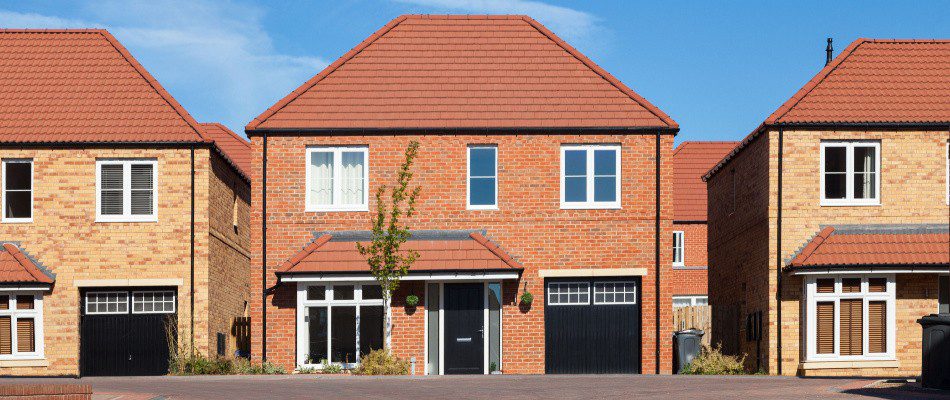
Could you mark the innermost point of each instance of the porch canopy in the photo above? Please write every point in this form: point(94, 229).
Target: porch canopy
point(18, 270)
point(898, 248)
point(443, 255)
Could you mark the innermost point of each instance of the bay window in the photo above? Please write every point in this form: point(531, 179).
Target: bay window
point(21, 326)
point(337, 179)
point(850, 173)
point(590, 176)
point(850, 317)
point(338, 323)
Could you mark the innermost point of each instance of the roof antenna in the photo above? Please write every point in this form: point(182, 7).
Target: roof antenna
point(828, 51)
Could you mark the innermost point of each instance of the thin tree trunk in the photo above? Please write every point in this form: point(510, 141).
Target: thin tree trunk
point(388, 330)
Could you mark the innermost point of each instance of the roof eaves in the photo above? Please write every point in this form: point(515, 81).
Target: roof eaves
point(670, 123)
point(260, 119)
point(154, 84)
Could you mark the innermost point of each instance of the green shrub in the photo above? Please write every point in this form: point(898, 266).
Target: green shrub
point(380, 362)
point(332, 368)
point(711, 361)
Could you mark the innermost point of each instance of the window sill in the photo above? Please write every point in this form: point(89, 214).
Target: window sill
point(812, 365)
point(825, 203)
point(692, 267)
point(17, 221)
point(589, 206)
point(481, 208)
point(332, 210)
point(125, 220)
point(25, 362)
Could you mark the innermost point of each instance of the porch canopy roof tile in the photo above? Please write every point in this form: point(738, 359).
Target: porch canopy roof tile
point(874, 246)
point(17, 267)
point(439, 250)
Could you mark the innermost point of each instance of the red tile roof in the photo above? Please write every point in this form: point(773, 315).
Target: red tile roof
point(462, 71)
point(235, 148)
point(16, 267)
point(472, 253)
point(876, 81)
point(873, 81)
point(81, 85)
point(691, 160)
point(871, 246)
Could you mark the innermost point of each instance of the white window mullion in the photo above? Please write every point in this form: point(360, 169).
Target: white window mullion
point(590, 175)
point(849, 172)
point(126, 189)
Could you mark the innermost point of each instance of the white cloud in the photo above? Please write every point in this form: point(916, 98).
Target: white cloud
point(566, 22)
point(215, 58)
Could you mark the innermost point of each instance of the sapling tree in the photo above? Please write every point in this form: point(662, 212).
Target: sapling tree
point(388, 262)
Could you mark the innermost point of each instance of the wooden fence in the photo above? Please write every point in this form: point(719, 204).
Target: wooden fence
point(694, 317)
point(241, 333)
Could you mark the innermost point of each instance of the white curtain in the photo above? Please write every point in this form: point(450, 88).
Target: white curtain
point(867, 182)
point(321, 178)
point(352, 178)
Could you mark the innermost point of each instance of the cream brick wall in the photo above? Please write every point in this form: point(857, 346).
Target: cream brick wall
point(913, 190)
point(65, 237)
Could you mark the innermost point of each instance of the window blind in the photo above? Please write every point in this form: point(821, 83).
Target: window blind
point(877, 326)
point(142, 186)
point(826, 328)
point(25, 335)
point(850, 324)
point(6, 336)
point(110, 197)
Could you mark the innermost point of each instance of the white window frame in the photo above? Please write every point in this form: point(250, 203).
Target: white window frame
point(583, 288)
point(303, 326)
point(127, 215)
point(590, 203)
point(468, 178)
point(625, 283)
point(849, 199)
point(947, 181)
point(692, 300)
point(36, 314)
point(127, 301)
point(812, 298)
point(3, 216)
point(133, 301)
point(679, 244)
point(337, 151)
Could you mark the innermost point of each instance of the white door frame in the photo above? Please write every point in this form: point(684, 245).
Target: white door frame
point(485, 325)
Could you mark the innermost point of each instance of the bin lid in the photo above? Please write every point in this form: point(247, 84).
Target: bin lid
point(934, 319)
point(696, 332)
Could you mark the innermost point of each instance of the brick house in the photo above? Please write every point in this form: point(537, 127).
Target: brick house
point(540, 173)
point(828, 225)
point(691, 160)
point(120, 213)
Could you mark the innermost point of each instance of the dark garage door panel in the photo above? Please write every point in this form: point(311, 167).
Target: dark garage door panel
point(124, 344)
point(591, 338)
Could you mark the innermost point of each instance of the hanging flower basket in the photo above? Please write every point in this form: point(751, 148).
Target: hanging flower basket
point(412, 300)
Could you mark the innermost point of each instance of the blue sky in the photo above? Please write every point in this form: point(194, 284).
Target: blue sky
point(718, 68)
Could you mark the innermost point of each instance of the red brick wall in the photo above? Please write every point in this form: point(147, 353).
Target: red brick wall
point(46, 392)
point(529, 225)
point(690, 280)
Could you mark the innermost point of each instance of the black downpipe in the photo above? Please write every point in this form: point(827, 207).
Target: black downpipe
point(192, 292)
point(778, 254)
point(264, 251)
point(657, 253)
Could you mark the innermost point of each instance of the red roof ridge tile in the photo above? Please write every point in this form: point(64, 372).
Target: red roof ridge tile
point(257, 121)
point(812, 246)
point(495, 249)
point(301, 255)
point(27, 264)
point(153, 83)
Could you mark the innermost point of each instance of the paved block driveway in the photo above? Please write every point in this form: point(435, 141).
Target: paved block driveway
point(481, 387)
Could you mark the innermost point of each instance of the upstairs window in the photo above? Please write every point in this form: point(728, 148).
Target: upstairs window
point(17, 190)
point(590, 176)
point(337, 179)
point(126, 190)
point(482, 177)
point(678, 247)
point(850, 173)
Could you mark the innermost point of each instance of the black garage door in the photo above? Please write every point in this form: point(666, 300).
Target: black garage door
point(123, 332)
point(592, 326)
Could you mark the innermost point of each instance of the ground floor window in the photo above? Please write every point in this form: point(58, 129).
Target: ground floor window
point(21, 325)
point(850, 317)
point(686, 301)
point(338, 323)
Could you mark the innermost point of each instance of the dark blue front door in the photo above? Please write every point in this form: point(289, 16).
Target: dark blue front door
point(464, 308)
